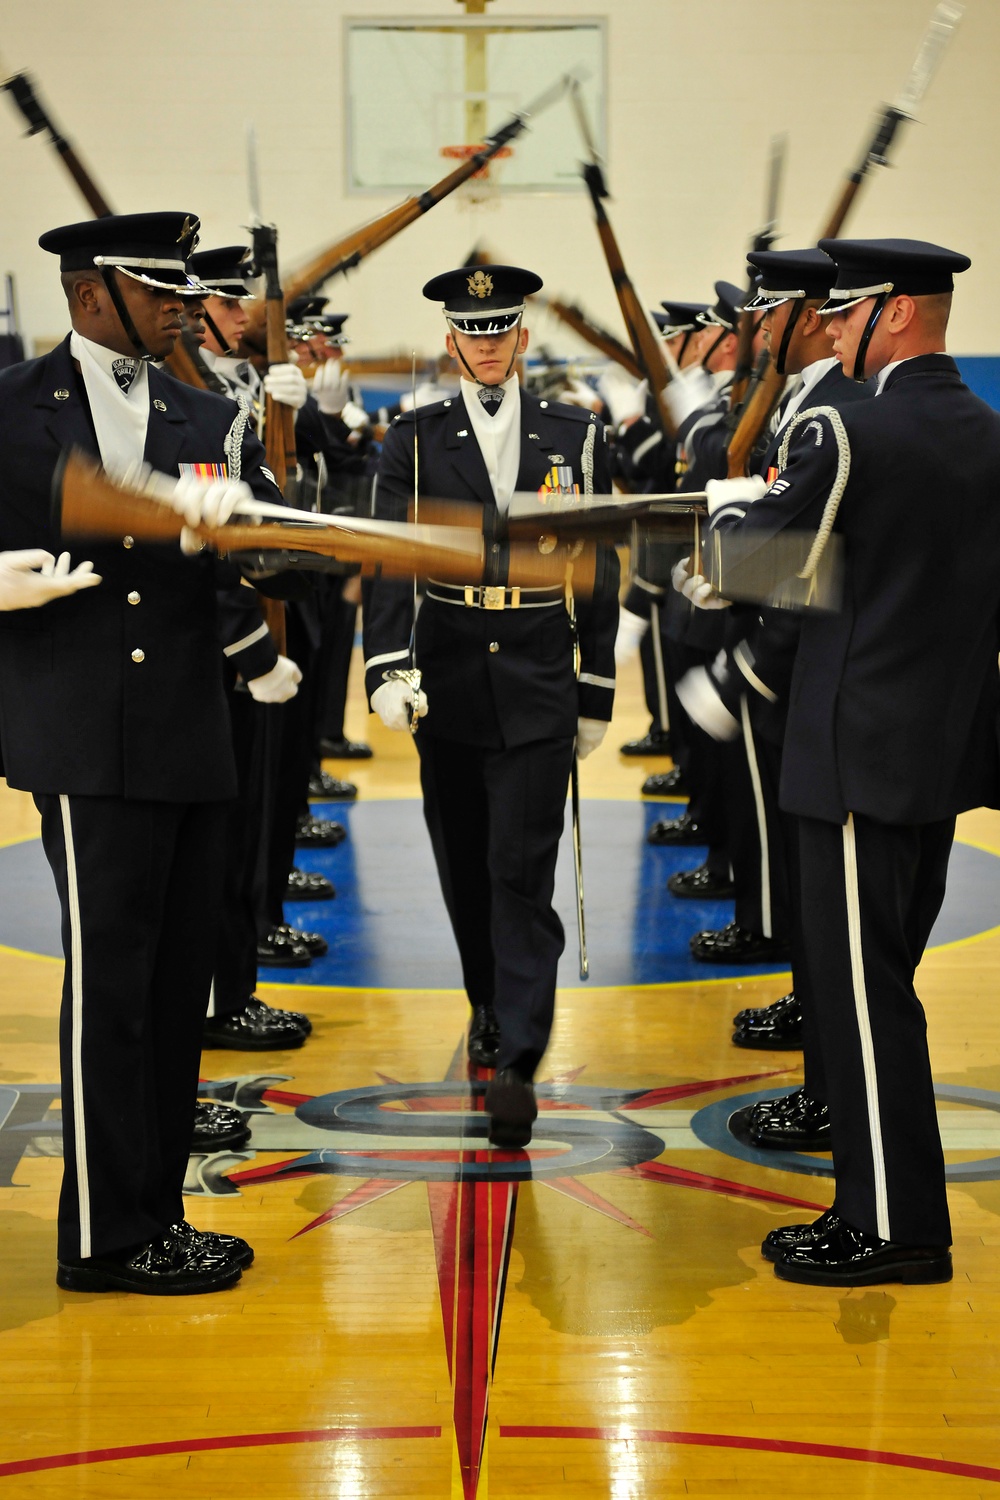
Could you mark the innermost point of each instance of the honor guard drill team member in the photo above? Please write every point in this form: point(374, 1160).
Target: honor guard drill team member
point(112, 713)
point(891, 732)
point(502, 701)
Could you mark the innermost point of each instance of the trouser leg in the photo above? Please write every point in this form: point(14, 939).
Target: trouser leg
point(235, 976)
point(869, 891)
point(760, 875)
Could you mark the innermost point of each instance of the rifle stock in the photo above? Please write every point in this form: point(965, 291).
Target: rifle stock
point(592, 333)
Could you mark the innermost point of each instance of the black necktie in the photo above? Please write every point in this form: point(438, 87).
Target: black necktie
point(124, 370)
point(490, 396)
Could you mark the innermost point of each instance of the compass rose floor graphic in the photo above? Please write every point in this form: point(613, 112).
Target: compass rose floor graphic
point(430, 1317)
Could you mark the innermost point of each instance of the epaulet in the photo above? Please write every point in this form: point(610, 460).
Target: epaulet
point(567, 412)
point(433, 409)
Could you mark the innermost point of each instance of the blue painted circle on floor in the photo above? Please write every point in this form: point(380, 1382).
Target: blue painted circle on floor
point(388, 928)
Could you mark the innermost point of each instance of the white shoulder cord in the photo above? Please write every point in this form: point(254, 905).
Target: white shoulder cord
point(233, 446)
point(840, 480)
point(587, 458)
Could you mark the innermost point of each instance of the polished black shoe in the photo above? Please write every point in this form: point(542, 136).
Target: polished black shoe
point(484, 1037)
point(844, 1256)
point(779, 1241)
point(314, 943)
point(326, 788)
point(319, 833)
point(306, 885)
point(296, 1017)
point(792, 1122)
point(777, 1026)
point(277, 950)
point(673, 831)
point(230, 1245)
point(700, 885)
point(218, 1127)
point(345, 750)
point(510, 1104)
point(172, 1265)
point(255, 1028)
point(736, 945)
point(665, 784)
point(656, 742)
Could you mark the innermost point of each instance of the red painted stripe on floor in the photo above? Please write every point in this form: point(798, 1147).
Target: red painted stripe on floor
point(206, 1445)
point(762, 1445)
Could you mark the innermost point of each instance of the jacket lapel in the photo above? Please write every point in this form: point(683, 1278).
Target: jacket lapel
point(60, 395)
point(465, 454)
point(539, 440)
point(165, 432)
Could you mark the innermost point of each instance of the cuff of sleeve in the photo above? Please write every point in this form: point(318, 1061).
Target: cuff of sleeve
point(595, 702)
point(256, 659)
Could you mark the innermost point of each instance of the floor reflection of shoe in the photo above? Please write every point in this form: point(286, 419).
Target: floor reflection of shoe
point(307, 885)
point(510, 1104)
point(845, 1256)
point(345, 750)
point(172, 1265)
point(324, 787)
point(656, 742)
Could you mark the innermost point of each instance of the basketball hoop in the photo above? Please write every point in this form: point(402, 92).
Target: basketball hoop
point(482, 189)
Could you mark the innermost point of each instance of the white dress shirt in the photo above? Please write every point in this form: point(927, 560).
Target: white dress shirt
point(498, 436)
point(120, 417)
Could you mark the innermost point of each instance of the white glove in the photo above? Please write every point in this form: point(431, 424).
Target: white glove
point(579, 393)
point(624, 397)
point(354, 416)
point(589, 734)
point(631, 629)
point(698, 691)
point(722, 492)
point(278, 685)
point(286, 383)
point(331, 387)
point(687, 392)
point(207, 502)
point(34, 577)
point(680, 573)
point(702, 595)
point(392, 702)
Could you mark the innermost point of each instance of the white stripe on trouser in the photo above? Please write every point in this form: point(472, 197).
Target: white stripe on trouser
point(211, 1000)
point(758, 801)
point(661, 681)
point(76, 1053)
point(865, 1026)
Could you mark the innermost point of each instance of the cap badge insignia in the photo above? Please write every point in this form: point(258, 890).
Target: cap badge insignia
point(480, 285)
point(124, 370)
point(187, 228)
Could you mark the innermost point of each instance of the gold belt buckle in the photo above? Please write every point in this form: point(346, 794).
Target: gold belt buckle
point(493, 597)
point(470, 596)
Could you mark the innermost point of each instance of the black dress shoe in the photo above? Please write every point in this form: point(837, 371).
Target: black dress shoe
point(230, 1245)
point(172, 1265)
point(793, 1122)
point(319, 833)
point(306, 885)
point(700, 885)
point(218, 1127)
point(484, 1037)
point(324, 787)
point(255, 1028)
point(665, 784)
point(777, 1026)
point(780, 1241)
point(844, 1256)
point(736, 945)
point(314, 943)
point(296, 1017)
point(510, 1104)
point(673, 831)
point(277, 950)
point(656, 742)
point(345, 750)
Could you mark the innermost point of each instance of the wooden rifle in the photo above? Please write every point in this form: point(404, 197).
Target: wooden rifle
point(647, 346)
point(765, 396)
point(762, 240)
point(592, 333)
point(346, 253)
point(184, 361)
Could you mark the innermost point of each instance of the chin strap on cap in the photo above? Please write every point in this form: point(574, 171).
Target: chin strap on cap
point(858, 372)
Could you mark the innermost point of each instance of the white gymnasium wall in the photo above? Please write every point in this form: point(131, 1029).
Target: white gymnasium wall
point(156, 97)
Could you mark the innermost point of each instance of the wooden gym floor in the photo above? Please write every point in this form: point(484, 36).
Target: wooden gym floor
point(422, 1321)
